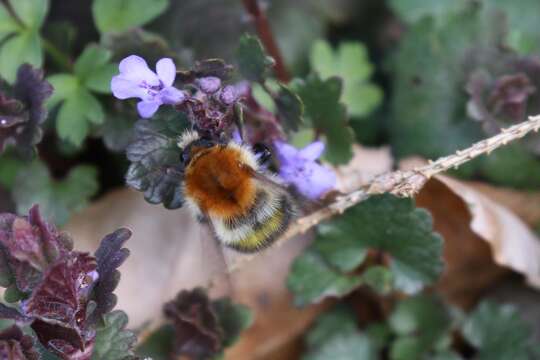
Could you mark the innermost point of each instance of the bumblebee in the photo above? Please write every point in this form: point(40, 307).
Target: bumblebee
point(226, 187)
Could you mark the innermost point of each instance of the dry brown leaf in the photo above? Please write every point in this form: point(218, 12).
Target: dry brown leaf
point(365, 164)
point(512, 242)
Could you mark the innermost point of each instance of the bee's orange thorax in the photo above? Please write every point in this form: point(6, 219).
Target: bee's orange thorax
point(219, 182)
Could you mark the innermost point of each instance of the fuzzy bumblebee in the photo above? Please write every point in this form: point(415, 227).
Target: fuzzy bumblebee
point(224, 186)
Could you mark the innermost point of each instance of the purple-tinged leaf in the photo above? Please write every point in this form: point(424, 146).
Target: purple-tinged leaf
point(505, 93)
point(59, 303)
point(198, 333)
point(109, 256)
point(29, 245)
point(22, 110)
point(9, 313)
point(14, 345)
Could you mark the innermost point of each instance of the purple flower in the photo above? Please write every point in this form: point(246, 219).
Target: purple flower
point(136, 80)
point(299, 168)
point(209, 84)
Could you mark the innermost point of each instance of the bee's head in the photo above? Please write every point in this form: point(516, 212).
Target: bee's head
point(191, 143)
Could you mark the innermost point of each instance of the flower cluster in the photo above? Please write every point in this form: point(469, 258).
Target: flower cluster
point(61, 292)
point(212, 107)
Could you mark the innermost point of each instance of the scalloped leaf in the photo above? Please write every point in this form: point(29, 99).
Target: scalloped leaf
point(109, 256)
point(349, 62)
point(335, 335)
point(113, 341)
point(498, 332)
point(253, 62)
point(327, 115)
point(155, 166)
point(57, 198)
point(383, 223)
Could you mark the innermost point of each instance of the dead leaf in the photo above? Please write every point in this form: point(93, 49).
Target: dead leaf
point(364, 166)
point(469, 265)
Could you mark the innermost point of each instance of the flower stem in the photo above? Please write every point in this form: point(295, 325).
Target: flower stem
point(12, 13)
point(267, 38)
point(61, 59)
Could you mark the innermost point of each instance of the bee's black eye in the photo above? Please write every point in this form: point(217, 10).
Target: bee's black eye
point(263, 153)
point(184, 157)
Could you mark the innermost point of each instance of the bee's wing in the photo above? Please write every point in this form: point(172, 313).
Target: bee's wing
point(307, 204)
point(215, 261)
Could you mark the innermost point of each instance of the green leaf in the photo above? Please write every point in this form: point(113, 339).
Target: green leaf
point(420, 322)
point(155, 158)
point(233, 318)
point(117, 131)
point(328, 115)
point(339, 320)
point(338, 246)
point(404, 233)
point(94, 70)
point(497, 332)
point(120, 15)
point(447, 355)
point(405, 348)
point(253, 63)
point(413, 10)
point(350, 62)
point(379, 278)
point(522, 21)
point(75, 115)
point(158, 345)
point(335, 336)
point(9, 168)
point(57, 199)
point(64, 86)
point(290, 108)
point(24, 47)
point(113, 342)
point(31, 12)
point(311, 279)
point(7, 24)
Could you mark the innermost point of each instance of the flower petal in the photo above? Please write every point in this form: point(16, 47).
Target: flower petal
point(123, 88)
point(313, 151)
point(166, 71)
point(135, 68)
point(171, 95)
point(147, 108)
point(319, 181)
point(286, 153)
point(209, 84)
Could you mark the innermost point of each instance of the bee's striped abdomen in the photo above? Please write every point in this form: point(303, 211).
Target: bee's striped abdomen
point(268, 218)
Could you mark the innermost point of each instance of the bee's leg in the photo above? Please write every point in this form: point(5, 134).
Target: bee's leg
point(263, 153)
point(202, 219)
point(239, 121)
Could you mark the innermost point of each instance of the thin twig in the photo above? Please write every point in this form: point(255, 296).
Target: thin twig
point(267, 38)
point(403, 183)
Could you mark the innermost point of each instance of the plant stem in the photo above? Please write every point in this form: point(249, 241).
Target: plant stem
point(267, 38)
point(61, 59)
point(12, 13)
